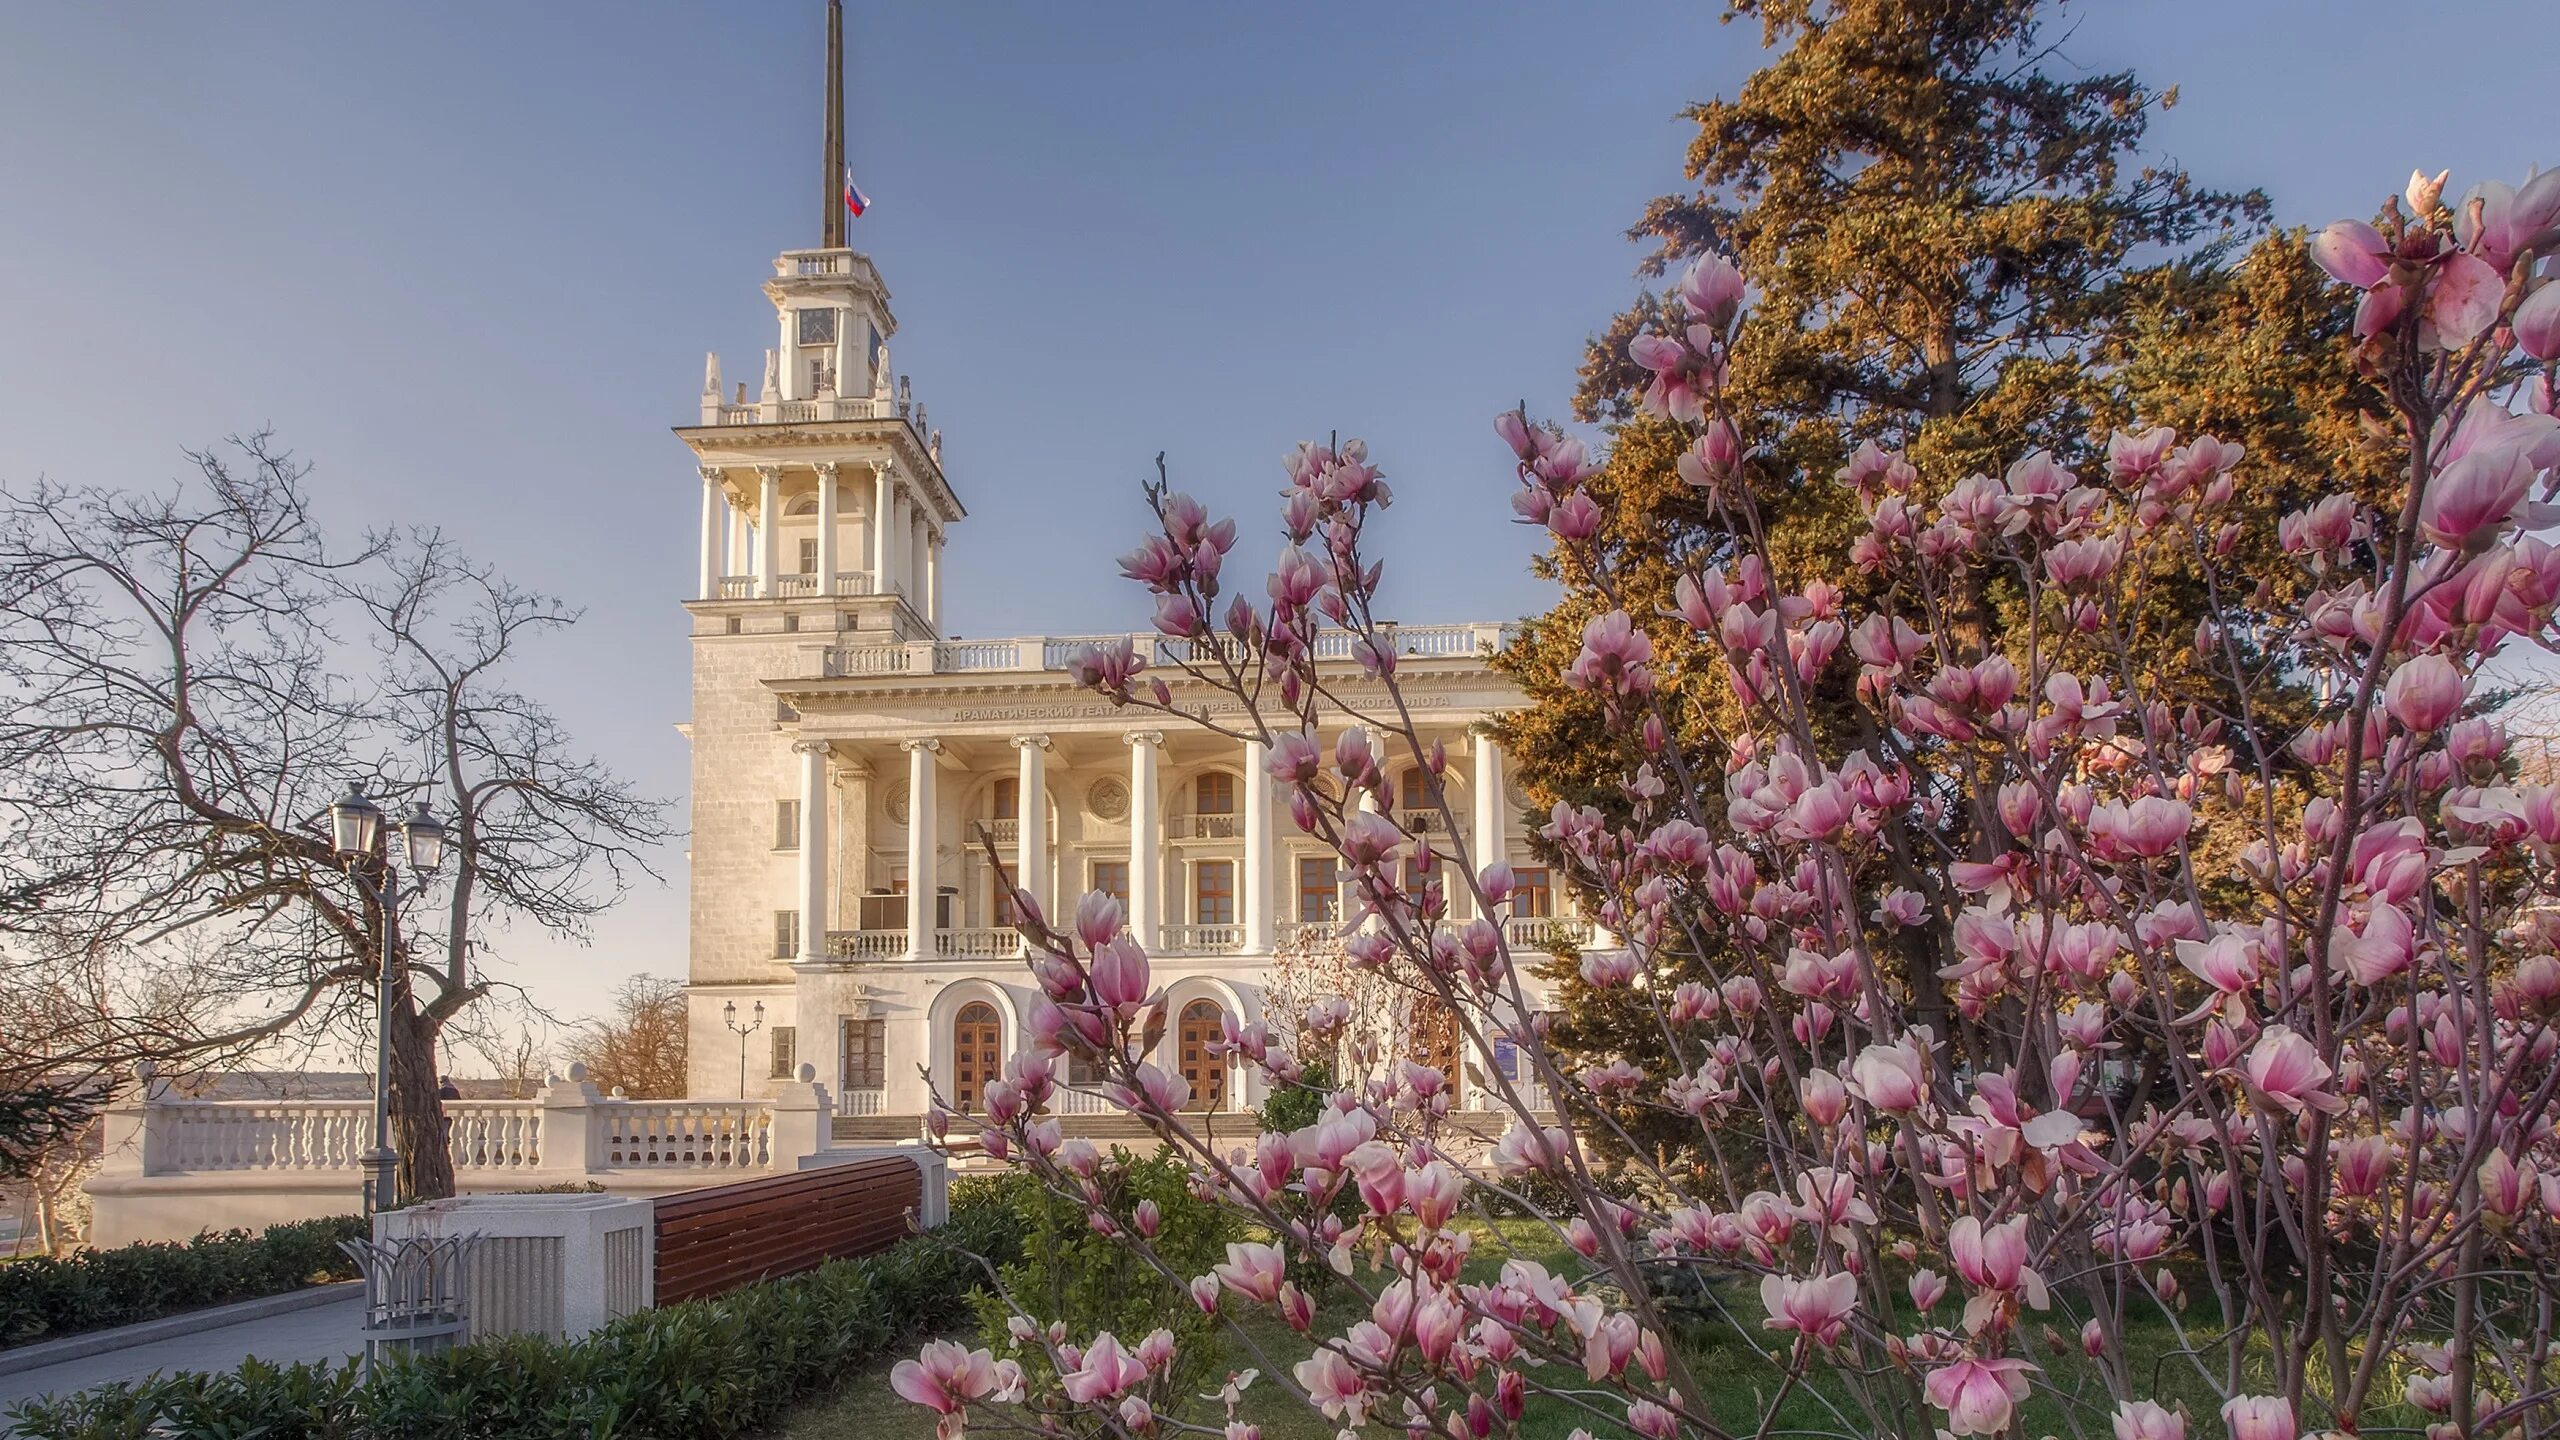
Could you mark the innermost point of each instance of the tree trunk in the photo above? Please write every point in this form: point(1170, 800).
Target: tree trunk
point(418, 1130)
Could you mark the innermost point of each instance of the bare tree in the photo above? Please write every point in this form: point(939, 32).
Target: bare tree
point(183, 700)
point(640, 1047)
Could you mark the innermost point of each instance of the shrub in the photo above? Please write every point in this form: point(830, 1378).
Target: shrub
point(723, 1366)
point(1093, 1280)
point(45, 1297)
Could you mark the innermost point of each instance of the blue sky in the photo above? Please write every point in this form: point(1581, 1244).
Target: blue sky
point(465, 258)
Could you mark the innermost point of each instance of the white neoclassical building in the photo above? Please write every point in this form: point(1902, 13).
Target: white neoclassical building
point(851, 763)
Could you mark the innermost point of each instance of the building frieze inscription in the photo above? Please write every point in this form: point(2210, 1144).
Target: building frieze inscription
point(1102, 709)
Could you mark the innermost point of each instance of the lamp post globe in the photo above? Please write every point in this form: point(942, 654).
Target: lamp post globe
point(422, 835)
point(355, 823)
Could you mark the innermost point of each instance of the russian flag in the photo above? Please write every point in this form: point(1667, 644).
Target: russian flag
point(854, 200)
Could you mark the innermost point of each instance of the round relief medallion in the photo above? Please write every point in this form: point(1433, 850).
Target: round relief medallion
point(1518, 797)
point(1109, 798)
point(897, 804)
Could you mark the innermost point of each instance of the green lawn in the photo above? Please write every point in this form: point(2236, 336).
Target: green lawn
point(1736, 1377)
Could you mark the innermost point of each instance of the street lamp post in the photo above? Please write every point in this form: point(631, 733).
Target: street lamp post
point(355, 830)
point(729, 1017)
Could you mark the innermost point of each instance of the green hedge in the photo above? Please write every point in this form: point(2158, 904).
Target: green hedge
point(43, 1297)
point(728, 1365)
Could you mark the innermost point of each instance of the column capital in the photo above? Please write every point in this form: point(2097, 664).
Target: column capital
point(826, 469)
point(1144, 737)
point(811, 747)
point(1031, 742)
point(768, 472)
point(713, 474)
point(928, 743)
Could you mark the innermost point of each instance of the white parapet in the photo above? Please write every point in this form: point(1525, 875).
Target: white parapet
point(174, 1168)
point(553, 1265)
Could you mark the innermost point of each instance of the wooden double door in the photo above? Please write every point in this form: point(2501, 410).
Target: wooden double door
point(977, 1054)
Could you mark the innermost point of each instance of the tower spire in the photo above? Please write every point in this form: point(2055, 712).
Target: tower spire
point(832, 192)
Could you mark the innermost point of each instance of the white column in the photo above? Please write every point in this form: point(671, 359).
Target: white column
point(922, 853)
point(933, 581)
point(714, 501)
point(827, 517)
point(768, 533)
point(844, 353)
point(735, 520)
point(814, 880)
point(791, 356)
point(1256, 900)
point(1031, 824)
point(901, 544)
point(1146, 839)
point(914, 560)
point(1490, 839)
point(884, 514)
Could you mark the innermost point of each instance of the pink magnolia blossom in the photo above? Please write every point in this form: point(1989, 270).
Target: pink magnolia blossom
point(1817, 1309)
point(2146, 1420)
point(1978, 1395)
point(2286, 1069)
point(945, 1378)
point(2260, 1417)
point(2424, 693)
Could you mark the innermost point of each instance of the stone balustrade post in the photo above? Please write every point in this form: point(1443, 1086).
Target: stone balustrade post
point(570, 1107)
point(133, 1132)
point(803, 1119)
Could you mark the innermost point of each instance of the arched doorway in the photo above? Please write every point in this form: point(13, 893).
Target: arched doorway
point(1435, 1036)
point(1201, 1065)
point(977, 1054)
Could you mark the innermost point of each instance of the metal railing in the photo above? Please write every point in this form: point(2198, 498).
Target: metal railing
point(1205, 827)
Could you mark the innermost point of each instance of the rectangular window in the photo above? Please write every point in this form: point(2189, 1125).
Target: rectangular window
point(1319, 889)
point(1214, 794)
point(1213, 892)
point(790, 624)
point(786, 824)
point(1417, 790)
point(866, 1058)
point(809, 556)
point(1533, 896)
point(999, 902)
point(786, 934)
point(1111, 877)
point(786, 1052)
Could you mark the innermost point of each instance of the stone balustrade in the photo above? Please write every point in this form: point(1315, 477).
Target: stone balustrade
point(1036, 653)
point(173, 1167)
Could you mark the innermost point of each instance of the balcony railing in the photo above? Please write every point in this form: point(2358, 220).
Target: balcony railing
point(1034, 653)
point(1002, 830)
point(860, 1103)
point(1545, 932)
point(1423, 822)
point(981, 942)
point(799, 412)
point(1205, 827)
point(1202, 939)
point(867, 944)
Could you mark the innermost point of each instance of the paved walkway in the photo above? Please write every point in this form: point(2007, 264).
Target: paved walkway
point(317, 1332)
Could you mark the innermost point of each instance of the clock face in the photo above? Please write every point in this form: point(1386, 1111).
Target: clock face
point(817, 327)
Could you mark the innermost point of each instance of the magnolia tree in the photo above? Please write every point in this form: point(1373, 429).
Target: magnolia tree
point(2329, 1201)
